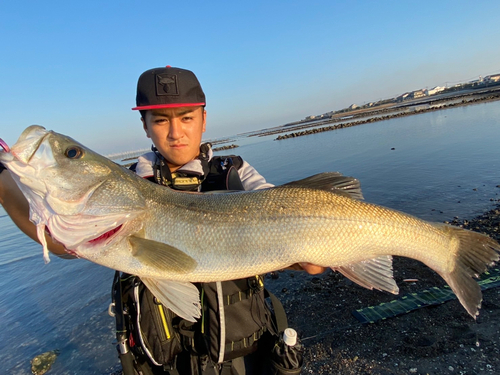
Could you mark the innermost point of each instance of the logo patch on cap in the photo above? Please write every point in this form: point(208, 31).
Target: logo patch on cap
point(166, 84)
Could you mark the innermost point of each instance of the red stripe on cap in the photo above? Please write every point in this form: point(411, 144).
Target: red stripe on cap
point(173, 105)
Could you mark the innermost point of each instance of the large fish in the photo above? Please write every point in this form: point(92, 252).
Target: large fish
point(106, 214)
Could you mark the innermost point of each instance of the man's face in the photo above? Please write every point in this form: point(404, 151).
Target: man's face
point(176, 133)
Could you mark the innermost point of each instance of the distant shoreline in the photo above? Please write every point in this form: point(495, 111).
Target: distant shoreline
point(394, 110)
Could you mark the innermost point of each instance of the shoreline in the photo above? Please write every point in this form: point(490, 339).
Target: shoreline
point(395, 110)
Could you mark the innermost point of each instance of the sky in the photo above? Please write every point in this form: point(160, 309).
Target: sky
point(73, 66)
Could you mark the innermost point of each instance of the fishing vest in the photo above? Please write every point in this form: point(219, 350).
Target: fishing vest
point(160, 339)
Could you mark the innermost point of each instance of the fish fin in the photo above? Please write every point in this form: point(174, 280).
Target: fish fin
point(333, 182)
point(182, 298)
point(472, 255)
point(40, 232)
point(160, 255)
point(371, 274)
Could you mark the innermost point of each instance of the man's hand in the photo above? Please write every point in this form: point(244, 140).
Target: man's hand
point(311, 269)
point(16, 205)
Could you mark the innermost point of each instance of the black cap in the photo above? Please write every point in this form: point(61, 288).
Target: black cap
point(168, 88)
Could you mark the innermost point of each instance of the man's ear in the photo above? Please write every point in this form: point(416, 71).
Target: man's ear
point(145, 127)
point(204, 120)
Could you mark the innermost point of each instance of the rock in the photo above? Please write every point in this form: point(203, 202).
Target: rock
point(42, 363)
point(274, 275)
point(224, 147)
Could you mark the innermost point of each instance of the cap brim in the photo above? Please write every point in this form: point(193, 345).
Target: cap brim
point(172, 105)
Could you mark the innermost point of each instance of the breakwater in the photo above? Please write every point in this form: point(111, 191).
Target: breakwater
point(393, 113)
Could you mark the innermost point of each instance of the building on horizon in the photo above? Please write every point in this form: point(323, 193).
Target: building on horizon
point(434, 90)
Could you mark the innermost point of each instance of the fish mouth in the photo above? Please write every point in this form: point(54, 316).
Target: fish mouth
point(28, 143)
point(105, 236)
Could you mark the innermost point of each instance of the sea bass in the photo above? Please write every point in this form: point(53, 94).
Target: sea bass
point(106, 214)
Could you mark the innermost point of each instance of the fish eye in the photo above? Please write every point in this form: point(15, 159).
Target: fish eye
point(73, 152)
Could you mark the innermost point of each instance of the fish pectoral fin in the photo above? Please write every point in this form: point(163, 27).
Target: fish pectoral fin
point(371, 274)
point(182, 298)
point(333, 182)
point(160, 255)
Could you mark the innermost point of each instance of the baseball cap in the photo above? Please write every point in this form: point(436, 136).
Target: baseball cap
point(168, 87)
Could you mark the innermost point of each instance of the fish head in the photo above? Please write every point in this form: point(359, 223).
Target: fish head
point(77, 194)
point(57, 167)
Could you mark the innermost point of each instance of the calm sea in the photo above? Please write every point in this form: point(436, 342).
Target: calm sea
point(435, 165)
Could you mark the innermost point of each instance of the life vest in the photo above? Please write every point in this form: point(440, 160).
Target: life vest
point(217, 173)
point(161, 340)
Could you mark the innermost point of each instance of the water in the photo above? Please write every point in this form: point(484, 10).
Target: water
point(444, 164)
point(55, 306)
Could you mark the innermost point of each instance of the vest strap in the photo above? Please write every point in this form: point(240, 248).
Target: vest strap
point(238, 297)
point(255, 286)
point(245, 342)
point(280, 320)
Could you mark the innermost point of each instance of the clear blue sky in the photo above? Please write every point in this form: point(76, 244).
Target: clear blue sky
point(73, 66)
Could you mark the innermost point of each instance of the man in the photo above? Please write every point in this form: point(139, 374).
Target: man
point(237, 330)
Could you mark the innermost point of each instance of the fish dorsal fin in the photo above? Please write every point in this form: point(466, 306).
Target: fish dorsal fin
point(334, 182)
point(160, 255)
point(372, 274)
point(182, 298)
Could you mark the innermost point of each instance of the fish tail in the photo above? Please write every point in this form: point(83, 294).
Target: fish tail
point(473, 254)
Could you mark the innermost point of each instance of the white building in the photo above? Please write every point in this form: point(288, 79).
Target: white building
point(402, 97)
point(434, 90)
